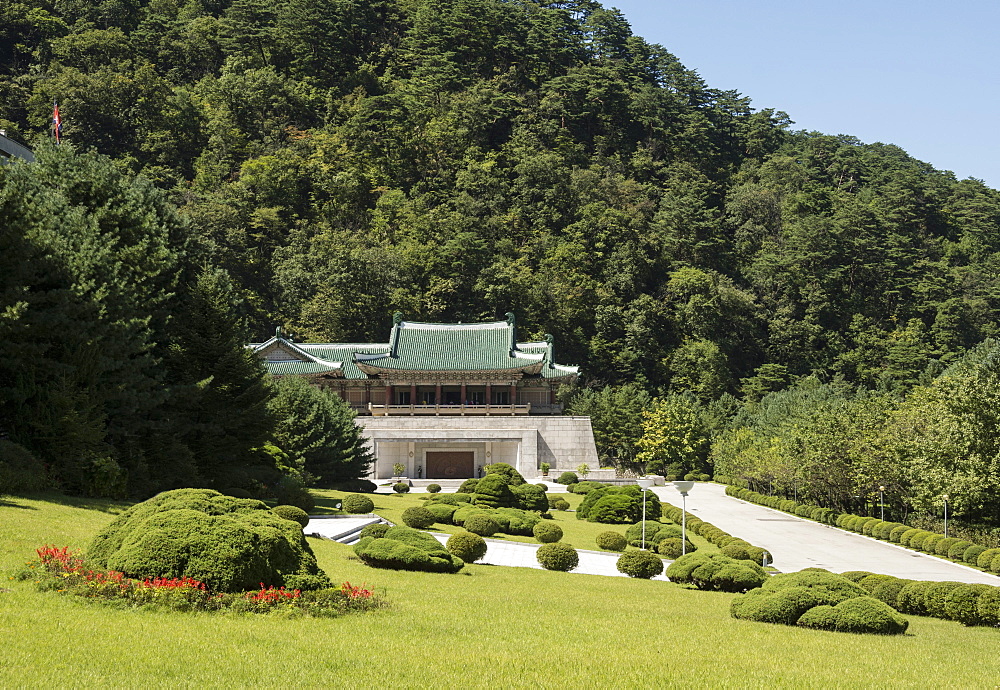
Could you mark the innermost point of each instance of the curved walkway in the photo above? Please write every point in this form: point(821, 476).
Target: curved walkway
point(797, 543)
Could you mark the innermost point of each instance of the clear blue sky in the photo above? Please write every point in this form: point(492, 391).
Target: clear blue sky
point(924, 75)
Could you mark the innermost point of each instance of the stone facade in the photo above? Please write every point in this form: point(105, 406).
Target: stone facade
point(523, 442)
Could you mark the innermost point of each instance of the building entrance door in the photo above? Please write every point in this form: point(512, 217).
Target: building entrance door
point(450, 464)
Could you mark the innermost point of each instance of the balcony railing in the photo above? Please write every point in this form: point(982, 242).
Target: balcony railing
point(453, 410)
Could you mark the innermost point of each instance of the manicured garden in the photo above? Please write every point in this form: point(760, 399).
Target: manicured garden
point(486, 625)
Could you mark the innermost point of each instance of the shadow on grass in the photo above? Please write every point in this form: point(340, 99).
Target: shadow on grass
point(326, 506)
point(104, 505)
point(7, 503)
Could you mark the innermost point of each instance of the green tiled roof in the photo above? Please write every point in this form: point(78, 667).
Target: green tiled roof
point(423, 347)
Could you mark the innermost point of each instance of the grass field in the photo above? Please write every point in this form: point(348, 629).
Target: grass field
point(487, 626)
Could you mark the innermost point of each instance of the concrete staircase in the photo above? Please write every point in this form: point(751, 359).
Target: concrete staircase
point(345, 529)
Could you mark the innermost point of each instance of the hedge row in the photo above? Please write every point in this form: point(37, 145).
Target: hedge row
point(730, 546)
point(896, 532)
point(969, 604)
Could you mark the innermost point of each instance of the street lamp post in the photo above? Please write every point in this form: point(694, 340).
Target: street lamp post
point(684, 487)
point(645, 483)
point(881, 501)
point(945, 497)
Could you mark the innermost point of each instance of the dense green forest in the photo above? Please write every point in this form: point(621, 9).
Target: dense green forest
point(320, 164)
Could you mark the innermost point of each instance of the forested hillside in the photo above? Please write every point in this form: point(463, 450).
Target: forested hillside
point(335, 161)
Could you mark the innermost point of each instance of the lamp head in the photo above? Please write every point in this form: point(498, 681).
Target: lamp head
point(644, 482)
point(945, 497)
point(684, 487)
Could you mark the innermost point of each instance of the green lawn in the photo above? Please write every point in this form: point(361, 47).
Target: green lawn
point(487, 626)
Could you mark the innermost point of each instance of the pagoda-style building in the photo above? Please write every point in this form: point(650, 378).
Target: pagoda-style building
point(444, 400)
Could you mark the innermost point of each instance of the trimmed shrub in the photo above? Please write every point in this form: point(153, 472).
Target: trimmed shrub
point(716, 572)
point(911, 598)
point(292, 513)
point(230, 544)
point(995, 565)
point(451, 499)
point(516, 521)
point(376, 530)
point(988, 607)
point(482, 524)
point(737, 551)
point(690, 477)
point(442, 512)
point(568, 478)
point(641, 564)
point(655, 533)
point(957, 550)
point(290, 491)
point(611, 541)
point(936, 596)
point(962, 604)
point(929, 544)
point(943, 546)
point(401, 488)
point(837, 587)
point(558, 556)
point(547, 532)
point(674, 547)
point(859, 615)
point(493, 491)
point(418, 517)
point(866, 525)
point(888, 590)
point(433, 488)
point(784, 606)
point(870, 582)
point(531, 497)
point(986, 557)
point(357, 504)
point(971, 555)
point(896, 535)
point(885, 529)
point(561, 504)
point(856, 575)
point(916, 541)
point(468, 486)
point(404, 548)
point(467, 546)
point(507, 471)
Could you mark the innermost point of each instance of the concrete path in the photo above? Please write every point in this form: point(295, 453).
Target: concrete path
point(522, 555)
point(796, 543)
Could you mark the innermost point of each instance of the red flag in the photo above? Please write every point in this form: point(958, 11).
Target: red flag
point(56, 121)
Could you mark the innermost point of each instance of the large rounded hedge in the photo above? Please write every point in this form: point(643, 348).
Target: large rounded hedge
point(858, 615)
point(655, 533)
point(493, 491)
point(442, 512)
point(404, 548)
point(673, 547)
point(547, 532)
point(357, 504)
point(230, 544)
point(642, 564)
point(716, 572)
point(467, 546)
point(557, 556)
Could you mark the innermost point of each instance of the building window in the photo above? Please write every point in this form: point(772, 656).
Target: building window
point(476, 397)
point(501, 397)
point(403, 398)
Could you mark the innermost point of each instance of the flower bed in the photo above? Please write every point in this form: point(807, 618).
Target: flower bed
point(61, 570)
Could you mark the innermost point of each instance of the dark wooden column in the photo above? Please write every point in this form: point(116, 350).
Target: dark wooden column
point(437, 394)
point(413, 394)
point(489, 393)
point(388, 397)
point(513, 394)
point(464, 395)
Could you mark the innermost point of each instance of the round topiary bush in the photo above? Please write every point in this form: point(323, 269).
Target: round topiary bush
point(230, 544)
point(404, 548)
point(547, 532)
point(911, 598)
point(292, 513)
point(558, 556)
point(290, 491)
point(376, 530)
point(674, 547)
point(642, 564)
point(988, 607)
point(611, 541)
point(936, 596)
point(986, 557)
point(962, 605)
point(896, 535)
point(357, 504)
point(716, 572)
point(568, 478)
point(957, 550)
point(482, 524)
point(418, 517)
point(401, 488)
point(433, 488)
point(971, 555)
point(467, 546)
point(468, 486)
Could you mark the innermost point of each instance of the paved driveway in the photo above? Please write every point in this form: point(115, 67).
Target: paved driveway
point(796, 543)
